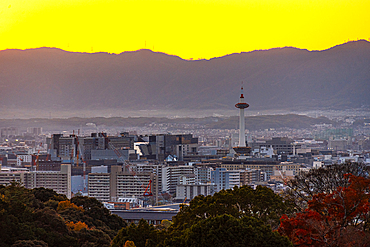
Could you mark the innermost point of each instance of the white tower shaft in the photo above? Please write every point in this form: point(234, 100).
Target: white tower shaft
point(242, 129)
point(241, 126)
point(241, 105)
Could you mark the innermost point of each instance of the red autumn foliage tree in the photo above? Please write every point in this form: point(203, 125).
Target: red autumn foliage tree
point(339, 218)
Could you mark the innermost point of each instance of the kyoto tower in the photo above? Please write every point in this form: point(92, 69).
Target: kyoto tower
point(242, 148)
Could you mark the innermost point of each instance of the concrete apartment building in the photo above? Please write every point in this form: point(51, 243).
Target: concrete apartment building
point(6, 177)
point(99, 184)
point(119, 183)
point(202, 174)
point(67, 147)
point(189, 191)
point(59, 181)
point(171, 176)
point(148, 167)
point(251, 176)
point(226, 179)
point(8, 132)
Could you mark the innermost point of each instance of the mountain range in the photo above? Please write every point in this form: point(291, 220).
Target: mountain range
point(282, 78)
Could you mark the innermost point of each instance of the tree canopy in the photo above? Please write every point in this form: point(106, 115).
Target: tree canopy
point(338, 218)
point(261, 203)
point(321, 180)
point(143, 235)
point(227, 230)
point(241, 216)
point(41, 217)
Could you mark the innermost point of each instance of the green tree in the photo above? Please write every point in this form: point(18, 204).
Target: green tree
point(238, 217)
point(165, 224)
point(93, 238)
point(29, 217)
point(143, 235)
point(261, 203)
point(94, 215)
point(45, 195)
point(30, 243)
point(226, 230)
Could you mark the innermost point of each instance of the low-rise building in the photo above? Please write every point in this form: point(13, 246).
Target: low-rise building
point(189, 191)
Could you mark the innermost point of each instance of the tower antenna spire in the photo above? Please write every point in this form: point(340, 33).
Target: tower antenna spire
point(242, 91)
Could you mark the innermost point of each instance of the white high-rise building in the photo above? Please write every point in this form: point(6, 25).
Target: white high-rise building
point(171, 176)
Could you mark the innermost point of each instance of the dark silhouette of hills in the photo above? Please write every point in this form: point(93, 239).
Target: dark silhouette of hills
point(281, 78)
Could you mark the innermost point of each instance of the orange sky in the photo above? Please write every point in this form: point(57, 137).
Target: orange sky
point(187, 28)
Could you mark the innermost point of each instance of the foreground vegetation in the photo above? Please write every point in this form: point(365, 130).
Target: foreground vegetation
point(239, 217)
point(324, 207)
point(41, 217)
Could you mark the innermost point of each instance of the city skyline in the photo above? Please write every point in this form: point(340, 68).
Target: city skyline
point(188, 29)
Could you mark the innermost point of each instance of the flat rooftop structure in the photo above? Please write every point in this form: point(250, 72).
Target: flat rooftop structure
point(13, 169)
point(153, 215)
point(271, 161)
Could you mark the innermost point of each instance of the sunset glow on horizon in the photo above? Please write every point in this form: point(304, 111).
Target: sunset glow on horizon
point(186, 28)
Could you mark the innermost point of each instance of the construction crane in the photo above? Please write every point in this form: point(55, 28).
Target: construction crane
point(146, 192)
point(18, 157)
point(36, 162)
point(148, 188)
point(79, 151)
point(282, 177)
